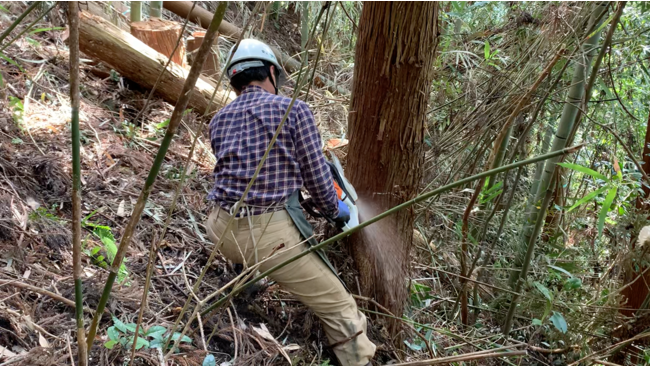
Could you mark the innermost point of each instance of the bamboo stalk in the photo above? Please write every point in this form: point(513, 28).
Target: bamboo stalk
point(418, 199)
point(136, 11)
point(569, 113)
point(596, 67)
point(73, 19)
point(175, 121)
point(28, 28)
point(18, 20)
point(495, 159)
point(155, 9)
point(526, 264)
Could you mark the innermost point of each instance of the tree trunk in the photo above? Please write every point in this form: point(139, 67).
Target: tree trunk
point(161, 35)
point(211, 67)
point(393, 72)
point(138, 62)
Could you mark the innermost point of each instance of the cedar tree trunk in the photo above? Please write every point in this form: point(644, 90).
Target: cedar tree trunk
point(393, 71)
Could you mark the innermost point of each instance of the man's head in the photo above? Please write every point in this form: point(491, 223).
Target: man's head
point(253, 63)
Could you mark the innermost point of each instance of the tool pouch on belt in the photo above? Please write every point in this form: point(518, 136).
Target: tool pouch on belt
point(298, 217)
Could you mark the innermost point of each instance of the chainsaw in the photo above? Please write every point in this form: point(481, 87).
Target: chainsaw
point(344, 191)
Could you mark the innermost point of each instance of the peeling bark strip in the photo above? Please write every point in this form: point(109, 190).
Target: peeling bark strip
point(395, 54)
point(140, 63)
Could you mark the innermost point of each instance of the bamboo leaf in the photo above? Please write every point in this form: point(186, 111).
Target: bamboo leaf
point(559, 322)
point(486, 50)
point(493, 188)
point(602, 25)
point(603, 211)
point(560, 269)
point(39, 30)
point(587, 198)
point(584, 169)
point(119, 325)
point(11, 61)
point(544, 290)
point(209, 361)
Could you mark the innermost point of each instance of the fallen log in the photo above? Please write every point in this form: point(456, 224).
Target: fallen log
point(140, 63)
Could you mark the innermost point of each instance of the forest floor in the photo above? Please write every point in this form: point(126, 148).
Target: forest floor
point(36, 317)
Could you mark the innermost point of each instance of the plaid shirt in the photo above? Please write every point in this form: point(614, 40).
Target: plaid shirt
point(240, 134)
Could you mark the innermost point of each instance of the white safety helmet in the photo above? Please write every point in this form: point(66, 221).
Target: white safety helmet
point(249, 54)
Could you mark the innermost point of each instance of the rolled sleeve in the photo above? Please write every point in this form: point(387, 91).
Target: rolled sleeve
point(313, 167)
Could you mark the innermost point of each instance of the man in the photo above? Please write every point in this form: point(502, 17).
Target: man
point(263, 229)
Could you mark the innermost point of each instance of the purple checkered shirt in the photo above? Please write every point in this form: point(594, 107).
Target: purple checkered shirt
point(240, 134)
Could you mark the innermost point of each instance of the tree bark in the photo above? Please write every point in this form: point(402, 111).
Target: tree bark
point(161, 35)
point(138, 62)
point(395, 55)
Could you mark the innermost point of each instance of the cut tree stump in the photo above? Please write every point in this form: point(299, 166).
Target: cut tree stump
point(161, 35)
point(211, 66)
point(101, 40)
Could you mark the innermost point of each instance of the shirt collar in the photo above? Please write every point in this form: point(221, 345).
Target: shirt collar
point(253, 89)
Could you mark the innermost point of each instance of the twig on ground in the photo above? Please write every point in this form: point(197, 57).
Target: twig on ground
point(41, 291)
point(378, 305)
point(464, 358)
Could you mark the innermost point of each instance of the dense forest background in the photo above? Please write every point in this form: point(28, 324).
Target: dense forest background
point(504, 143)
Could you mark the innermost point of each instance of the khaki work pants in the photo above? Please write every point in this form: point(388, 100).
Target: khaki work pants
point(252, 240)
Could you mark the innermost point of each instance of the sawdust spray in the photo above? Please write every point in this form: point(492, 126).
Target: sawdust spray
point(383, 241)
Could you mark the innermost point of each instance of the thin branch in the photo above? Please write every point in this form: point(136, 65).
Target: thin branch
point(44, 292)
point(73, 19)
point(481, 355)
point(378, 305)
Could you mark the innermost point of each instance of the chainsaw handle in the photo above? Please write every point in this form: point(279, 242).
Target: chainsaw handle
point(309, 206)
